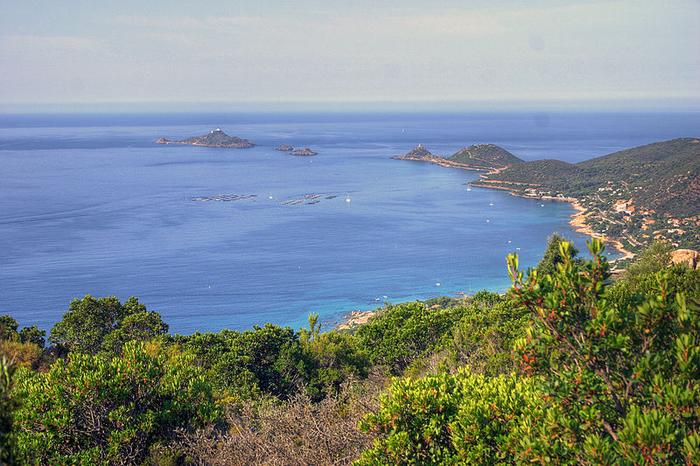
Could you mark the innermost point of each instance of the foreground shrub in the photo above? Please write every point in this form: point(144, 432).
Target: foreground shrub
point(7, 405)
point(21, 354)
point(483, 337)
point(298, 431)
point(97, 410)
point(332, 359)
point(266, 360)
point(626, 370)
point(9, 331)
point(450, 419)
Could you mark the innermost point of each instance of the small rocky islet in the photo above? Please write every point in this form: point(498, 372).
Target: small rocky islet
point(305, 152)
point(302, 152)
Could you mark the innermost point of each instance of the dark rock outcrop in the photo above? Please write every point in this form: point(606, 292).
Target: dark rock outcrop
point(305, 152)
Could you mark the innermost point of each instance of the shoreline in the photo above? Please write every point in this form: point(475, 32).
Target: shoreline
point(354, 319)
point(443, 162)
point(577, 220)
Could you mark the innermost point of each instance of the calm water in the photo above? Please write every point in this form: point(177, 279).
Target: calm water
point(88, 204)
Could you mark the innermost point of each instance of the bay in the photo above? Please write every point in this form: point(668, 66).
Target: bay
point(88, 204)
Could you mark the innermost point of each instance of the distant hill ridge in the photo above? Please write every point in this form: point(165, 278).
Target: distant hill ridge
point(663, 176)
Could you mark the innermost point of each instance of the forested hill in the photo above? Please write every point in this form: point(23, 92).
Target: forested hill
point(663, 176)
point(485, 156)
point(480, 157)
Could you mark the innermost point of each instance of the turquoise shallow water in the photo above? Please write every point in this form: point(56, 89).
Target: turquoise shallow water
point(88, 204)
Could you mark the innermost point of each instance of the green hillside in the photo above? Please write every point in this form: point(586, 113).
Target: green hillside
point(664, 176)
point(634, 196)
point(485, 156)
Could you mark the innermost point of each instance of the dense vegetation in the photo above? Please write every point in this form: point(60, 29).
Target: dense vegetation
point(568, 367)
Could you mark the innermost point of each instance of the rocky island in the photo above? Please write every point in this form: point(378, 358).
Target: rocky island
point(284, 148)
point(305, 152)
point(215, 138)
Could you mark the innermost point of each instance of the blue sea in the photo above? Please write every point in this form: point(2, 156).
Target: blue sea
point(89, 204)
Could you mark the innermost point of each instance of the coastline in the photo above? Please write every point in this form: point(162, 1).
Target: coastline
point(577, 220)
point(354, 319)
point(443, 162)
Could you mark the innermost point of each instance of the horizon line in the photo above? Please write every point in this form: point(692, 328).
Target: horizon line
point(370, 106)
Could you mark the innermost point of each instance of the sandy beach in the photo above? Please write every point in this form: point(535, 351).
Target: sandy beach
point(354, 319)
point(578, 218)
point(578, 222)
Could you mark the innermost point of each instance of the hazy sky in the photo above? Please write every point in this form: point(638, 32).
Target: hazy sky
point(352, 51)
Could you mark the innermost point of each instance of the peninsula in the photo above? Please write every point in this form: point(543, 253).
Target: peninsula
point(628, 198)
point(215, 138)
point(478, 157)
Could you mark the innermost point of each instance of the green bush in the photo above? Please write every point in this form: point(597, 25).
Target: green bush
point(655, 258)
point(95, 409)
point(626, 368)
point(399, 334)
point(553, 255)
point(333, 358)
point(94, 324)
point(450, 419)
point(266, 359)
point(483, 337)
point(9, 332)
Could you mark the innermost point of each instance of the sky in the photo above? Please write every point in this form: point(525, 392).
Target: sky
point(275, 52)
